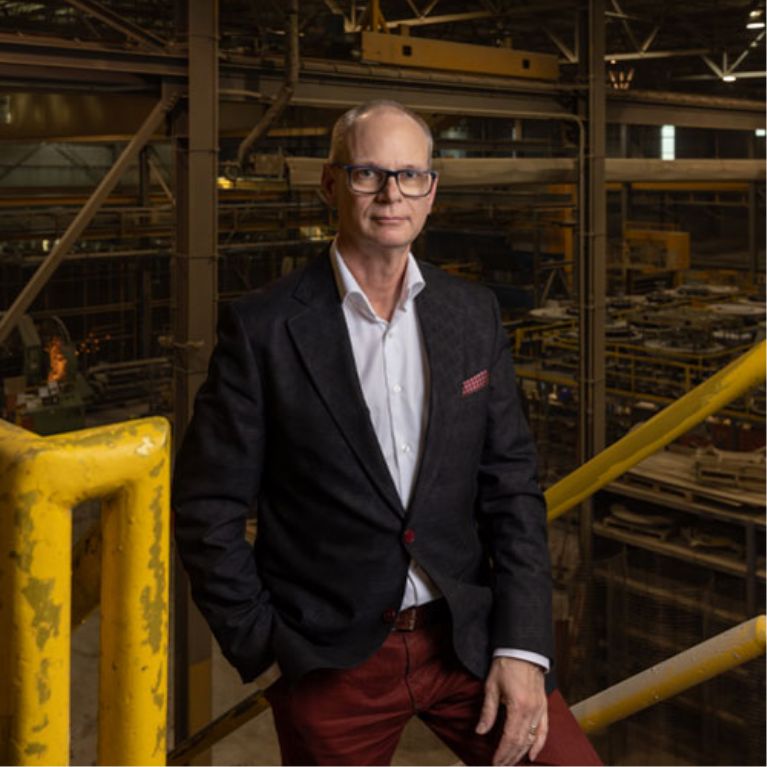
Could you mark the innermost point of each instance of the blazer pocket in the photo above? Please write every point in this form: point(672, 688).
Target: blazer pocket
point(475, 383)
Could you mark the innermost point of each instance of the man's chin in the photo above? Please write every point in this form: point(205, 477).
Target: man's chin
point(392, 236)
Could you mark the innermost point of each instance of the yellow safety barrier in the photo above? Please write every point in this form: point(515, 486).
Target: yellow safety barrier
point(704, 661)
point(41, 480)
point(664, 427)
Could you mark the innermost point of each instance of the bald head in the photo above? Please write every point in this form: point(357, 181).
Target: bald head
point(339, 140)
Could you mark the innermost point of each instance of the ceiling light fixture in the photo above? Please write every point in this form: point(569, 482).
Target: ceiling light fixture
point(728, 78)
point(755, 25)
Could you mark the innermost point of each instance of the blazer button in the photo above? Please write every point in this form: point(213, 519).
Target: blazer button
point(408, 536)
point(390, 615)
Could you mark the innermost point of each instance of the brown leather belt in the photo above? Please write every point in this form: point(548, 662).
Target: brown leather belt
point(430, 614)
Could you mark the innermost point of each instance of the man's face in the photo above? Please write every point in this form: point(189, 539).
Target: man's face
point(387, 221)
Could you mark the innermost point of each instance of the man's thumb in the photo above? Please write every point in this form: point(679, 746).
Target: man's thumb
point(489, 710)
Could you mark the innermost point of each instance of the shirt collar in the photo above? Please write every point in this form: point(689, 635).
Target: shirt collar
point(352, 294)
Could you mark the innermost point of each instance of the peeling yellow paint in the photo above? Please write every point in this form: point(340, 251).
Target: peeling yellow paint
point(159, 743)
point(152, 599)
point(158, 689)
point(23, 519)
point(47, 616)
point(43, 682)
point(40, 727)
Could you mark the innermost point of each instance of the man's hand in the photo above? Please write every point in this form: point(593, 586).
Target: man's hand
point(518, 685)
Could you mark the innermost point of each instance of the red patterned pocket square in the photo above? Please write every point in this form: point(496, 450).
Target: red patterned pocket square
point(475, 383)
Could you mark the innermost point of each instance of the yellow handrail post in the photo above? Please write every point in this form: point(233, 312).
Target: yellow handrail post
point(705, 399)
point(34, 617)
point(41, 480)
point(697, 664)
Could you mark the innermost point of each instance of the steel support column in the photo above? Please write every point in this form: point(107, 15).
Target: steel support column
point(195, 294)
point(591, 281)
point(592, 265)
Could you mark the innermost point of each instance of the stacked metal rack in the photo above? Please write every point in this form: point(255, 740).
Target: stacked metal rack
point(659, 346)
point(678, 561)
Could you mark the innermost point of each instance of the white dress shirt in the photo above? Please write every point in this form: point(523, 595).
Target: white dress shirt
point(393, 370)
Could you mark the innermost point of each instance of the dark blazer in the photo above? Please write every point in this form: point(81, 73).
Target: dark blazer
point(281, 421)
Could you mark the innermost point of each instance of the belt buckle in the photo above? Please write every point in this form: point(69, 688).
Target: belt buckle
point(406, 620)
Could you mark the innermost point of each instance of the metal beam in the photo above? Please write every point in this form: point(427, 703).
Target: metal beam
point(52, 59)
point(20, 161)
point(30, 291)
point(592, 265)
point(119, 23)
point(448, 18)
point(683, 109)
point(570, 56)
point(195, 292)
point(304, 172)
point(644, 54)
point(437, 98)
point(231, 720)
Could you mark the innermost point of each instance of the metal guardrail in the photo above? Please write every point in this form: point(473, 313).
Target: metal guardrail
point(703, 661)
point(41, 480)
point(663, 428)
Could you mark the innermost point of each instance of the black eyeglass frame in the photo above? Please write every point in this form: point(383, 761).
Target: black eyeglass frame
point(433, 174)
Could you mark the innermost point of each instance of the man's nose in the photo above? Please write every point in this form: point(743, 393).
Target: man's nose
point(390, 190)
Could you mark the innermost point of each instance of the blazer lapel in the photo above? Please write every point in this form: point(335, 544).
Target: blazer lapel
point(443, 337)
point(322, 341)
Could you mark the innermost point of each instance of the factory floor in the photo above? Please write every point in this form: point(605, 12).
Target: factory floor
point(255, 743)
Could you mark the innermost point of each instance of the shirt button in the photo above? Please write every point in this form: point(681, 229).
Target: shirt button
point(406, 448)
point(396, 388)
point(390, 615)
point(408, 536)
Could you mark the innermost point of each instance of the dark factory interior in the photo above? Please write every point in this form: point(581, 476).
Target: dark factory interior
point(601, 170)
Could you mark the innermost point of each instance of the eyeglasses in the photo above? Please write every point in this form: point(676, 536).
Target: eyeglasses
point(369, 179)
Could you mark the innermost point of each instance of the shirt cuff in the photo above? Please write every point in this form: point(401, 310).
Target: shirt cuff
point(530, 657)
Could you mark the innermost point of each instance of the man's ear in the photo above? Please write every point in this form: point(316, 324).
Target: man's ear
point(433, 193)
point(328, 186)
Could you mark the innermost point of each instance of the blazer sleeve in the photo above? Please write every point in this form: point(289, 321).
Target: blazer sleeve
point(512, 514)
point(216, 477)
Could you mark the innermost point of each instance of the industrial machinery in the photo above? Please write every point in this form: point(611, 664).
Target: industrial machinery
point(49, 395)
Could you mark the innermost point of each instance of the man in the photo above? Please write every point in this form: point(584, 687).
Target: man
point(367, 404)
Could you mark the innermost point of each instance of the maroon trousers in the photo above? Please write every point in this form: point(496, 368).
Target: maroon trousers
point(356, 716)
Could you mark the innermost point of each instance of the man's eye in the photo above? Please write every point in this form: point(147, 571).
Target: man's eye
point(366, 173)
point(410, 175)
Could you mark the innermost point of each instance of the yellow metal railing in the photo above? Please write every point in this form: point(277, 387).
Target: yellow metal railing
point(660, 430)
point(704, 661)
point(41, 480)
